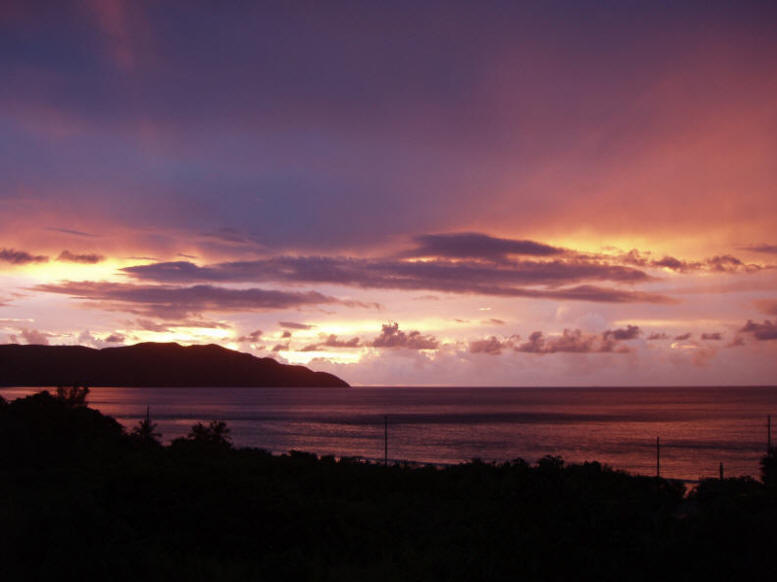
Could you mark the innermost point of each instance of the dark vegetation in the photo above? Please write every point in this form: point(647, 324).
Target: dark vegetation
point(81, 498)
point(150, 364)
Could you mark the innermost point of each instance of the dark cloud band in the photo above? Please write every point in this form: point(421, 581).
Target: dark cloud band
point(86, 259)
point(506, 279)
point(20, 257)
point(175, 302)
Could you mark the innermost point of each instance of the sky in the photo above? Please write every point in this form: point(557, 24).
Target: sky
point(437, 193)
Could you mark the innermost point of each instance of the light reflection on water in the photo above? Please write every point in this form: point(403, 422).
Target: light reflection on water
point(699, 427)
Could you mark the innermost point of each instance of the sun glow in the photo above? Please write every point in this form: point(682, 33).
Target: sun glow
point(189, 335)
point(107, 270)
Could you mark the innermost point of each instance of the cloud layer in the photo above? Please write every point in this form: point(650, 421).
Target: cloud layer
point(475, 245)
point(20, 257)
point(474, 172)
point(174, 302)
point(761, 331)
point(470, 263)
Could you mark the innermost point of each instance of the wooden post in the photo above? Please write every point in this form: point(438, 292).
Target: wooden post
point(721, 471)
point(658, 457)
point(385, 441)
point(768, 433)
point(148, 415)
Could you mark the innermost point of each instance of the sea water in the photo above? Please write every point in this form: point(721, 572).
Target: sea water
point(699, 428)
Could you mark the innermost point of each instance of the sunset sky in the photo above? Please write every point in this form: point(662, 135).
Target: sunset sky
point(413, 193)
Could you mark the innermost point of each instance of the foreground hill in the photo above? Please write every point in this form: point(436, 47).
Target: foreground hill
point(150, 364)
point(81, 499)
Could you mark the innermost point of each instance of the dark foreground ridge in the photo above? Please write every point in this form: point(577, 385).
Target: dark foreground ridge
point(81, 499)
point(150, 364)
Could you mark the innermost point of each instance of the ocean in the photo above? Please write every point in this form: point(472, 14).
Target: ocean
point(699, 427)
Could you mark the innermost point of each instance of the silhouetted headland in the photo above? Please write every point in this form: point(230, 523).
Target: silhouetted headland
point(151, 364)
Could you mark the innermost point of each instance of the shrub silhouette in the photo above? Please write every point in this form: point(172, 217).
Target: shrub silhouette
point(769, 468)
point(216, 433)
point(550, 464)
point(73, 395)
point(49, 428)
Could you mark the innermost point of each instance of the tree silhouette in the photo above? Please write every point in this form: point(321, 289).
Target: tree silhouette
point(769, 468)
point(215, 433)
point(73, 396)
point(145, 432)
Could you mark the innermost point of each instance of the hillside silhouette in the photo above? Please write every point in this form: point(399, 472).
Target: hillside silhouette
point(151, 364)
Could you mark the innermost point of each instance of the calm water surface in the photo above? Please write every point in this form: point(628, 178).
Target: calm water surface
point(699, 427)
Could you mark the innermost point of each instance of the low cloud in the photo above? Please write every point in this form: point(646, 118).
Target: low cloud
point(577, 342)
point(682, 337)
point(332, 341)
point(391, 337)
point(761, 331)
point(165, 326)
point(657, 336)
point(493, 321)
point(762, 248)
point(713, 336)
point(32, 337)
point(630, 332)
point(85, 338)
point(602, 295)
point(670, 263)
point(86, 259)
point(20, 257)
point(252, 337)
point(492, 346)
point(717, 263)
point(294, 325)
point(572, 341)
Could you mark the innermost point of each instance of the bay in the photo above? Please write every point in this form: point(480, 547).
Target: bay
point(699, 427)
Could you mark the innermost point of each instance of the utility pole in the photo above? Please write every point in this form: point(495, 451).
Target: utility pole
point(658, 457)
point(768, 434)
point(385, 441)
point(721, 471)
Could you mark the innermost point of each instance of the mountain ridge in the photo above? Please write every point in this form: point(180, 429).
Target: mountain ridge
point(151, 364)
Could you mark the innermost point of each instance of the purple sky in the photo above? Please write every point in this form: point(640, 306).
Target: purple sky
point(519, 193)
